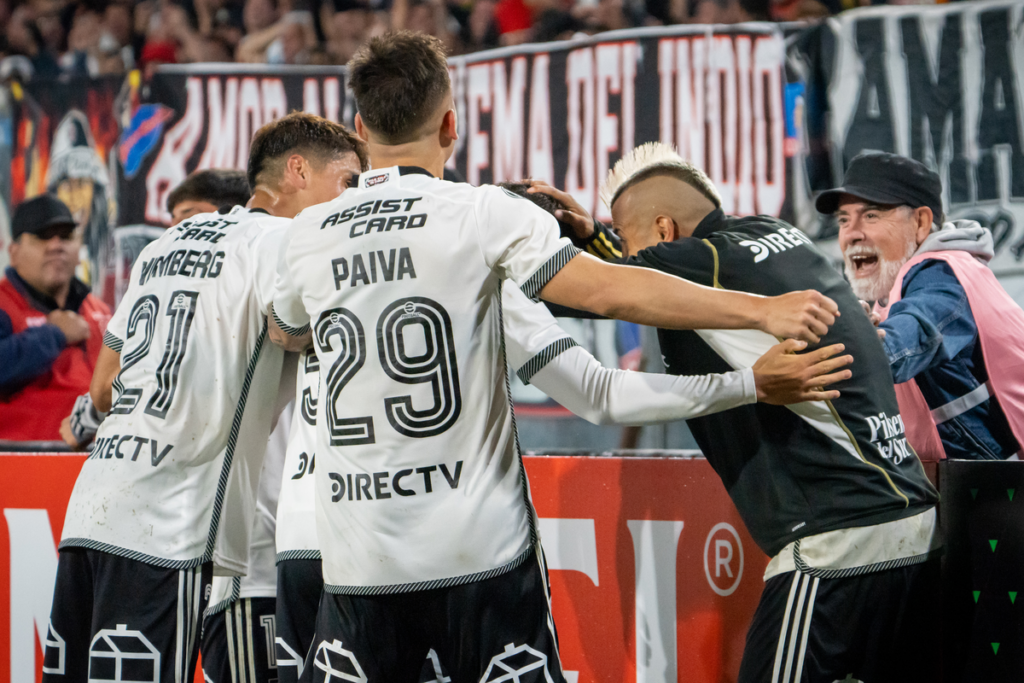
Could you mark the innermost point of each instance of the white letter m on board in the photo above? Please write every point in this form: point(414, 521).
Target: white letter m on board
point(33, 572)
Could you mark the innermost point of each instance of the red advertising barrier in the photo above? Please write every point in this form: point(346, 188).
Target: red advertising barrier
point(653, 576)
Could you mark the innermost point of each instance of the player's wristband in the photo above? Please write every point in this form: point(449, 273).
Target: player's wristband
point(85, 419)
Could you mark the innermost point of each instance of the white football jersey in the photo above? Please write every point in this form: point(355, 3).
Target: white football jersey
point(418, 478)
point(260, 580)
point(538, 351)
point(296, 507)
point(193, 402)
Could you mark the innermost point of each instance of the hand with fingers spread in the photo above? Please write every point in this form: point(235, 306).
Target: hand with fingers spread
point(805, 315)
point(783, 376)
point(574, 215)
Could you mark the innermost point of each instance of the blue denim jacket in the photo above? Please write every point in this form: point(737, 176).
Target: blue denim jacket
point(931, 336)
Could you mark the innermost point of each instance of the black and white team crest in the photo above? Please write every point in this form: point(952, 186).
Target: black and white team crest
point(338, 664)
point(54, 652)
point(295, 660)
point(119, 655)
point(518, 664)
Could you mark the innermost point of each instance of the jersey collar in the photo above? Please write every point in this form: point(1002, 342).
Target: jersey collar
point(402, 170)
point(414, 170)
point(710, 223)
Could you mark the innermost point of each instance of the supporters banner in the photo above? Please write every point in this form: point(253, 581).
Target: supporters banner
point(62, 138)
point(129, 241)
point(653, 575)
point(774, 114)
point(562, 112)
point(190, 118)
point(940, 84)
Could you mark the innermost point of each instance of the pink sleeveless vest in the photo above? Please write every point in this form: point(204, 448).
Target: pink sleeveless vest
point(1001, 331)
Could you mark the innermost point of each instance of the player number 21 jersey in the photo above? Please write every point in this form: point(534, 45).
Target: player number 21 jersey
point(193, 400)
point(418, 477)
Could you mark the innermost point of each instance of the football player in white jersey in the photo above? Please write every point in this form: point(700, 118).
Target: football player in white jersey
point(189, 380)
point(427, 535)
point(239, 624)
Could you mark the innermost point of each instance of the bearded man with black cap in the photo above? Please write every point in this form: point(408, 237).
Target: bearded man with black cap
point(51, 327)
point(948, 322)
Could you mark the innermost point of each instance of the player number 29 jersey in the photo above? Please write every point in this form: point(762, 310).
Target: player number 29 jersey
point(193, 400)
point(418, 478)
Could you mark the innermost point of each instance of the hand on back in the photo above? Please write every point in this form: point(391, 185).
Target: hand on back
point(805, 315)
point(783, 376)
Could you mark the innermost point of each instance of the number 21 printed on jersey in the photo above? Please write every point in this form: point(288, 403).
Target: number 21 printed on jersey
point(181, 310)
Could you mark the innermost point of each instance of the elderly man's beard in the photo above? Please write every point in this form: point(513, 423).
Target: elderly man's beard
point(875, 287)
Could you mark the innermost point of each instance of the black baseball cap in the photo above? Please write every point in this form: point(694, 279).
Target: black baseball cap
point(887, 179)
point(39, 215)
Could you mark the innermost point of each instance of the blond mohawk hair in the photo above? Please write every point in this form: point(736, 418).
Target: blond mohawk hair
point(649, 159)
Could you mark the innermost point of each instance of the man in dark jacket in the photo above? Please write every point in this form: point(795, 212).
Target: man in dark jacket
point(830, 490)
point(51, 327)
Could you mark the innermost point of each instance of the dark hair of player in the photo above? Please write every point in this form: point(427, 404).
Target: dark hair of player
point(220, 187)
point(312, 137)
point(399, 80)
point(544, 201)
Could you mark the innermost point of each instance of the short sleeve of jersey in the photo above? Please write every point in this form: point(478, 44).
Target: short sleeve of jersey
point(289, 311)
point(532, 335)
point(690, 258)
point(266, 257)
point(117, 328)
point(520, 239)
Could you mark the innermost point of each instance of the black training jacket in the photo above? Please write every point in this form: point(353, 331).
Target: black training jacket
point(792, 471)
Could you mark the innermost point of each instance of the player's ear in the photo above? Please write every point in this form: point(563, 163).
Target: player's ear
point(449, 128)
point(666, 229)
point(297, 171)
point(360, 128)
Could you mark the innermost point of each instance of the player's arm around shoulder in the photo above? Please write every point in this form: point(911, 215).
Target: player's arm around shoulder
point(690, 258)
point(517, 238)
point(543, 354)
point(660, 300)
point(288, 340)
point(288, 324)
point(649, 297)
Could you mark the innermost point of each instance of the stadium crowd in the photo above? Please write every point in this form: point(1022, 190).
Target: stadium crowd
point(54, 38)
